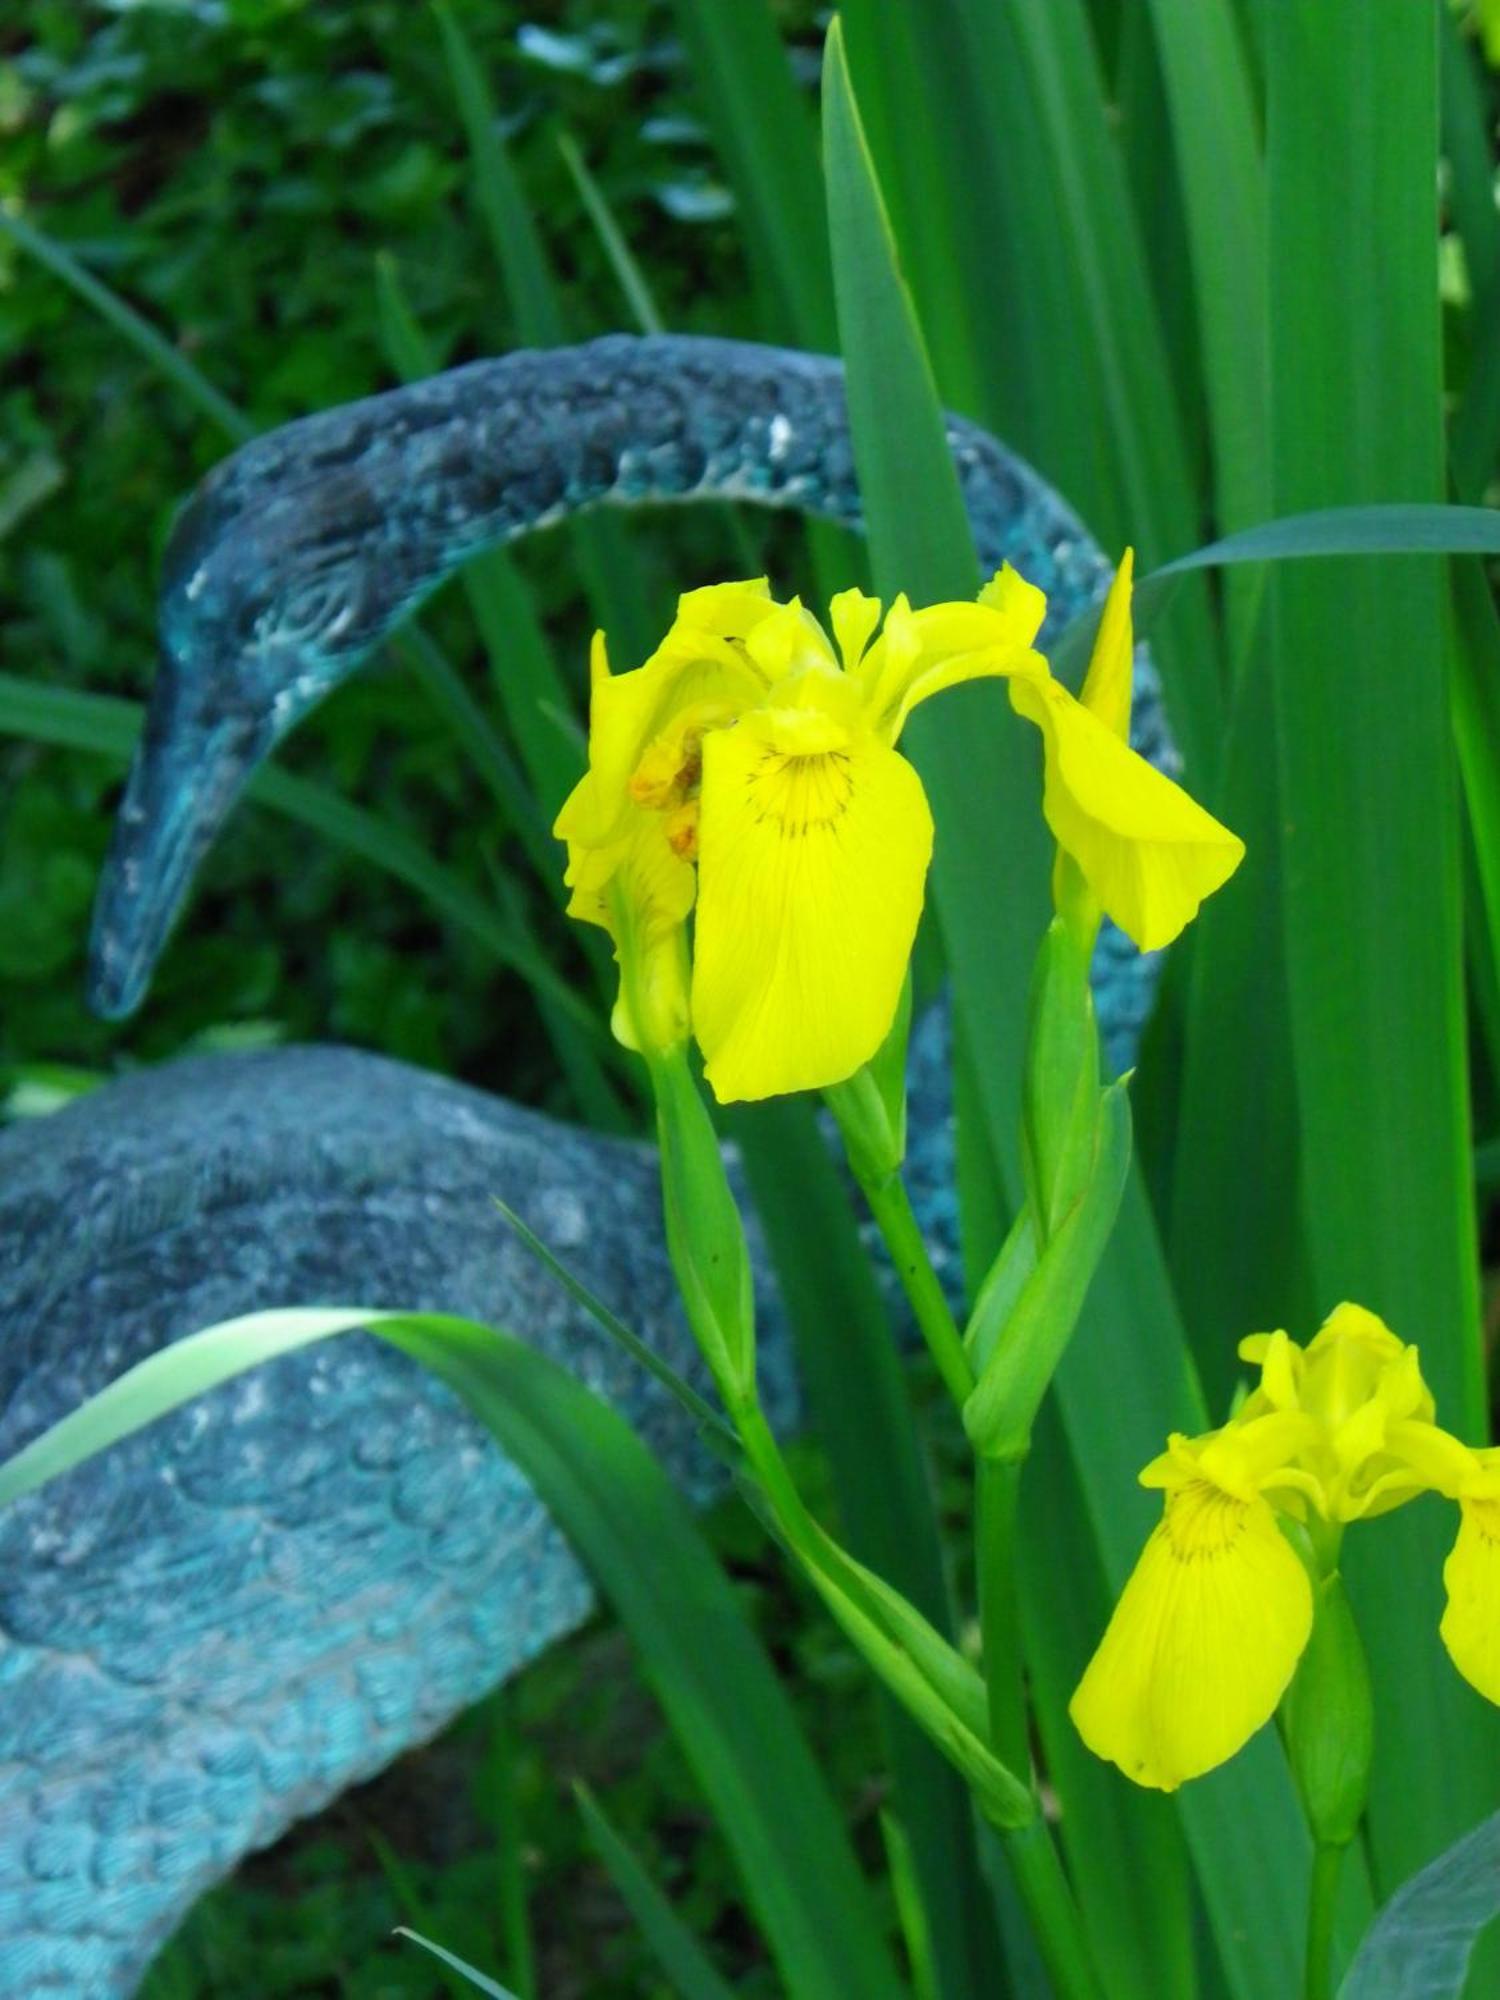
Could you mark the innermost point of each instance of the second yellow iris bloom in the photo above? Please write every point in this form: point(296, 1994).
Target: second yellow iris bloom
point(1209, 1629)
point(750, 768)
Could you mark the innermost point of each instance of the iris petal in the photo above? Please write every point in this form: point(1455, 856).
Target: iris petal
point(919, 653)
point(1202, 1644)
point(1107, 686)
point(1471, 1621)
point(1149, 853)
point(811, 868)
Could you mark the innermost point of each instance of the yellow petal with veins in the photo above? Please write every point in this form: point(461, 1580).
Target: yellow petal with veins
point(1202, 1644)
point(812, 853)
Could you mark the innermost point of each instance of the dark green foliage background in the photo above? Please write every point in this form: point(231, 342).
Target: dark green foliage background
point(233, 168)
point(1090, 201)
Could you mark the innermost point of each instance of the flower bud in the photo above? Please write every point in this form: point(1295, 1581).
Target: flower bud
point(1329, 1718)
point(1060, 1090)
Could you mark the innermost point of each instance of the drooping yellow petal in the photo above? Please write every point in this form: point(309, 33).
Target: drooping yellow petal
point(1109, 680)
point(812, 855)
point(1149, 852)
point(1471, 1621)
point(640, 890)
point(1202, 1644)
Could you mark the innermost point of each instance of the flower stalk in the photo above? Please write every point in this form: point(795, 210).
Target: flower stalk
point(1329, 1720)
point(890, 1205)
point(1038, 1873)
point(756, 846)
point(705, 1234)
point(997, 1494)
point(1322, 1909)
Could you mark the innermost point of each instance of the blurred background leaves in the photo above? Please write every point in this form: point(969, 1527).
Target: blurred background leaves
point(232, 168)
point(309, 201)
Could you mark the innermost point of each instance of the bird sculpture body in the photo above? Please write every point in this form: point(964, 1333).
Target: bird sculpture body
point(221, 1623)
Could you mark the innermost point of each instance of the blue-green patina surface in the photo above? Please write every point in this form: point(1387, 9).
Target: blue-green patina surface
point(216, 1627)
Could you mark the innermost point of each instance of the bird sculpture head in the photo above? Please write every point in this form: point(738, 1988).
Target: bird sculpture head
point(269, 599)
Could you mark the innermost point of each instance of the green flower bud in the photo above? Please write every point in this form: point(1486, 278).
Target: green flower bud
point(1330, 1720)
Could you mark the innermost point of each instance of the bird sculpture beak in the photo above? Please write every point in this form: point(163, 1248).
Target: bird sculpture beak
point(187, 773)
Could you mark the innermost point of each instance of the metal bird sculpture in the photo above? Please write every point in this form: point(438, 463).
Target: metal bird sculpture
point(217, 1626)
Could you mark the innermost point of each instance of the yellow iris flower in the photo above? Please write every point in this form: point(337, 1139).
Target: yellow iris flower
point(750, 768)
point(1212, 1622)
point(1147, 853)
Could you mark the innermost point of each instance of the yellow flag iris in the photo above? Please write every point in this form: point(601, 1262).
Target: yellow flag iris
point(749, 771)
point(1147, 853)
point(1212, 1622)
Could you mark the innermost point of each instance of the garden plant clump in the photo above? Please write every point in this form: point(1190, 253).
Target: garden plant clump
point(1059, 989)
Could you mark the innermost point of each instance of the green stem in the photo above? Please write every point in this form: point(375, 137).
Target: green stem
point(997, 1493)
point(1054, 1915)
point(770, 1468)
point(893, 1213)
point(1321, 1901)
point(1033, 1858)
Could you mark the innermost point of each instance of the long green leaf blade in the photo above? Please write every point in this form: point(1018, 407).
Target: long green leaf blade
point(1138, 1916)
point(629, 276)
point(764, 135)
point(451, 1959)
point(1420, 1945)
point(1394, 528)
point(1474, 442)
point(1062, 65)
point(139, 333)
point(1221, 182)
point(676, 1950)
point(1368, 803)
point(613, 577)
point(989, 875)
point(859, 1406)
point(627, 1524)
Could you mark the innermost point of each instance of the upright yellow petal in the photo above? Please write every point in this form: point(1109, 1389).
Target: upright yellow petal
point(1202, 1644)
point(1471, 1621)
point(922, 652)
point(1107, 685)
point(1020, 603)
point(1149, 852)
point(810, 872)
point(790, 641)
point(853, 617)
point(727, 610)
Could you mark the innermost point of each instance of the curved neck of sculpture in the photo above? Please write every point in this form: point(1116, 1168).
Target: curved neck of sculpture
point(302, 552)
